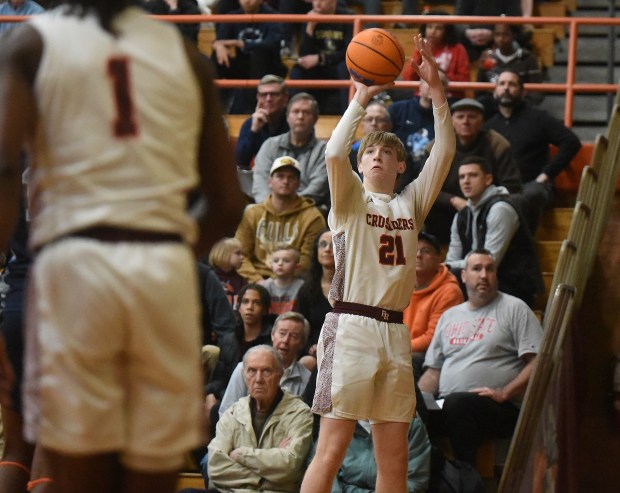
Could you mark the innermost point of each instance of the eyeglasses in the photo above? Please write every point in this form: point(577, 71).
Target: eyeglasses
point(325, 244)
point(273, 94)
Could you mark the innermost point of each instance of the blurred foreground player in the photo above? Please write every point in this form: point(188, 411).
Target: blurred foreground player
point(375, 235)
point(120, 114)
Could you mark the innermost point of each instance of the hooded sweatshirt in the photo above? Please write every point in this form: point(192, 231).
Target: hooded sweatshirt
point(428, 304)
point(262, 228)
point(503, 222)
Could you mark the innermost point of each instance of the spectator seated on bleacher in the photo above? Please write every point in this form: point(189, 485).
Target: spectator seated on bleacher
point(480, 360)
point(301, 143)
point(478, 37)
point(285, 282)
point(253, 328)
point(282, 218)
point(176, 7)
point(267, 120)
point(358, 472)
point(507, 55)
point(262, 441)
point(217, 314)
point(313, 296)
point(471, 139)
point(436, 290)
point(413, 122)
point(450, 55)
point(288, 337)
point(18, 7)
point(322, 55)
point(530, 131)
point(256, 52)
point(492, 221)
point(225, 259)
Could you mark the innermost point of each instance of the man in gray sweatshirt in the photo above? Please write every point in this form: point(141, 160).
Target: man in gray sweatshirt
point(490, 220)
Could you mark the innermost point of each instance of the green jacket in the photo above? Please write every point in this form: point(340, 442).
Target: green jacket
point(261, 465)
point(358, 472)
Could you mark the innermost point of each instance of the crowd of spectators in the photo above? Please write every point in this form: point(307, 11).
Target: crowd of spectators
point(281, 259)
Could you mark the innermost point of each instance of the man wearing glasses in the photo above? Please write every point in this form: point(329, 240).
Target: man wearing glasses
point(268, 119)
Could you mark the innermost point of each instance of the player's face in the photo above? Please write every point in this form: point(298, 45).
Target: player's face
point(480, 279)
point(380, 166)
point(251, 307)
point(507, 91)
point(284, 182)
point(262, 377)
point(503, 38)
point(426, 260)
point(301, 118)
point(435, 34)
point(377, 118)
point(283, 263)
point(467, 123)
point(250, 6)
point(236, 258)
point(326, 250)
point(272, 98)
point(288, 338)
point(473, 181)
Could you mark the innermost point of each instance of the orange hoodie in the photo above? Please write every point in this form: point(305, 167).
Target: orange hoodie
point(428, 304)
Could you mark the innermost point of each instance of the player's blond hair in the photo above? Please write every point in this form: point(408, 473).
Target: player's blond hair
point(220, 253)
point(387, 139)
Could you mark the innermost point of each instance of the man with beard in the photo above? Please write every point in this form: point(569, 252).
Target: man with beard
point(530, 130)
point(480, 360)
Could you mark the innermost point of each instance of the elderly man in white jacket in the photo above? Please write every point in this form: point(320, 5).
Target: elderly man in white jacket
point(262, 441)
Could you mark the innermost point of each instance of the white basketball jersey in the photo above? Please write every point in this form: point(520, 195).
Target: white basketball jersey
point(119, 119)
point(376, 235)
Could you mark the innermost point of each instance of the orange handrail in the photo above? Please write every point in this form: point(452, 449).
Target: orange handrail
point(569, 87)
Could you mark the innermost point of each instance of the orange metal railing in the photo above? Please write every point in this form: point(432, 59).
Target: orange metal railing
point(569, 87)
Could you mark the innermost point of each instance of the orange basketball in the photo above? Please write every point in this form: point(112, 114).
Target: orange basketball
point(375, 57)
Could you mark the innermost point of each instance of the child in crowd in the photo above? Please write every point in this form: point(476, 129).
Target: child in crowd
point(284, 285)
point(225, 257)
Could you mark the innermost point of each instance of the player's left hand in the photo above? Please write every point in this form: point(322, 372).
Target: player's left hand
point(427, 67)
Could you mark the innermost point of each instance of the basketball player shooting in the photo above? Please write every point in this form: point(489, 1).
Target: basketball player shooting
point(123, 120)
point(364, 352)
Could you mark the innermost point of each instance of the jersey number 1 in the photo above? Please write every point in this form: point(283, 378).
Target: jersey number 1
point(124, 125)
point(391, 251)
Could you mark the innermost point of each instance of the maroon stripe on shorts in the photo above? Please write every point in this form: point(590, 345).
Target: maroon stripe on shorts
point(380, 314)
point(322, 402)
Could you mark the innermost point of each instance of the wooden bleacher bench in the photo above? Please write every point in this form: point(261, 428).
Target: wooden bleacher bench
point(206, 36)
point(554, 224)
point(552, 9)
point(543, 44)
point(190, 480)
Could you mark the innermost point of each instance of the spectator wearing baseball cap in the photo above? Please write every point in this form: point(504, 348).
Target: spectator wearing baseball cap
point(471, 139)
point(283, 218)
